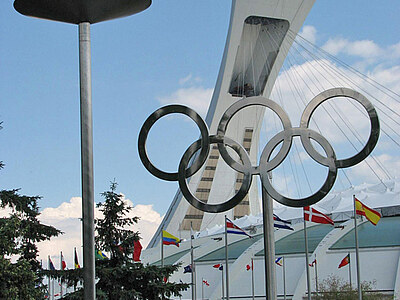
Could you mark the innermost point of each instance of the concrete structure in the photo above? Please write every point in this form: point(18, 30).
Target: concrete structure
point(379, 248)
point(256, 46)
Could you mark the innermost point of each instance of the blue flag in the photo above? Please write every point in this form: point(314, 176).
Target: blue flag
point(187, 269)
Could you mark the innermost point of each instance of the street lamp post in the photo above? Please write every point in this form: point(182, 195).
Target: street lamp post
point(83, 13)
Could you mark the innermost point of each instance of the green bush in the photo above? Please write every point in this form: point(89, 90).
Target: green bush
point(335, 288)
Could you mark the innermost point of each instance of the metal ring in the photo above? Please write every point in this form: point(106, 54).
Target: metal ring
point(236, 107)
point(159, 113)
point(373, 116)
point(328, 161)
point(220, 207)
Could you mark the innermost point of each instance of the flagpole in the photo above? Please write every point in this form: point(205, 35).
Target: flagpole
point(226, 261)
point(223, 288)
point(269, 245)
point(61, 264)
point(284, 277)
point(192, 263)
point(252, 278)
point(202, 288)
point(350, 271)
point(316, 274)
point(48, 267)
point(306, 251)
point(357, 255)
point(162, 250)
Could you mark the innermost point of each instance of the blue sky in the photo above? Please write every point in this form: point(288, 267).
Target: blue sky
point(139, 63)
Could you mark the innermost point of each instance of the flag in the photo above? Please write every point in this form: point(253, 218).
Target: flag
point(250, 267)
point(278, 261)
point(100, 255)
point(218, 266)
point(51, 266)
point(137, 250)
point(345, 261)
point(63, 263)
point(372, 215)
point(77, 266)
point(279, 223)
point(232, 228)
point(316, 216)
point(206, 283)
point(169, 239)
point(313, 263)
point(187, 269)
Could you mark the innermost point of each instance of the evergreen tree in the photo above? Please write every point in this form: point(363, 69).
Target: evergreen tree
point(19, 234)
point(119, 277)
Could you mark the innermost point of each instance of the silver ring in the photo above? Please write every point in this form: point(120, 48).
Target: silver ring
point(232, 202)
point(265, 166)
point(236, 107)
point(328, 161)
point(159, 113)
point(373, 117)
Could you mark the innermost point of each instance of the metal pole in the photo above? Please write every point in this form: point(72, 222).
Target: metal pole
point(202, 288)
point(226, 261)
point(192, 263)
point(87, 161)
point(316, 274)
point(269, 246)
point(284, 277)
point(350, 272)
point(48, 267)
point(307, 266)
point(357, 256)
point(252, 279)
point(61, 267)
point(223, 288)
point(162, 250)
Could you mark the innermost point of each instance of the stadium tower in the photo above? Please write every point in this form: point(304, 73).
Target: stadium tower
point(256, 46)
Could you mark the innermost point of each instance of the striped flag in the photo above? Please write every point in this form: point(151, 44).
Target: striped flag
point(232, 228)
point(63, 263)
point(76, 263)
point(169, 239)
point(51, 265)
point(283, 224)
point(372, 215)
point(278, 261)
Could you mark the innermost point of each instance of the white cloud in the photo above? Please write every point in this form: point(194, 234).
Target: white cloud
point(66, 217)
point(197, 98)
point(309, 33)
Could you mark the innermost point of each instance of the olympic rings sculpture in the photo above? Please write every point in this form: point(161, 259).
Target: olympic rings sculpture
point(265, 165)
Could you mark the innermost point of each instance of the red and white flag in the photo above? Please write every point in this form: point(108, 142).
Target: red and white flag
point(232, 228)
point(315, 216)
point(206, 282)
point(63, 263)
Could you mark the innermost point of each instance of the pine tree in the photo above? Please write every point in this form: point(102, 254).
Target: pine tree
point(119, 277)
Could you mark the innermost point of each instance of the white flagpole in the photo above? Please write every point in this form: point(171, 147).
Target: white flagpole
point(192, 263)
point(61, 265)
point(223, 288)
point(316, 274)
point(357, 255)
point(162, 250)
point(48, 267)
point(350, 270)
point(202, 288)
point(284, 277)
point(306, 252)
point(252, 279)
point(226, 261)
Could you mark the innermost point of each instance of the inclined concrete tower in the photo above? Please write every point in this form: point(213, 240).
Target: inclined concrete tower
point(256, 46)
